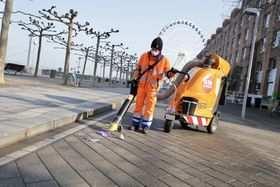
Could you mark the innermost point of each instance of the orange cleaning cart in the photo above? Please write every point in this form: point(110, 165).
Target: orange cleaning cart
point(195, 101)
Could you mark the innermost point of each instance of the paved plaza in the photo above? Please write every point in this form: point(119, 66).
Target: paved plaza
point(238, 154)
point(30, 106)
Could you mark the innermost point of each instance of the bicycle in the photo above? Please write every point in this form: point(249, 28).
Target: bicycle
point(76, 78)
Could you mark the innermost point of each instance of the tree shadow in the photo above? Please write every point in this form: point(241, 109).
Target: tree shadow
point(37, 102)
point(65, 99)
point(82, 108)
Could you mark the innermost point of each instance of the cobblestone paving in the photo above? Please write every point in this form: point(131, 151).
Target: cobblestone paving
point(185, 157)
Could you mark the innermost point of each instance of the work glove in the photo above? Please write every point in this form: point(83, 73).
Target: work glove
point(134, 87)
point(171, 72)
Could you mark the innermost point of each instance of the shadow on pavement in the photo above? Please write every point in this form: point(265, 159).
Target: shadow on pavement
point(69, 100)
point(39, 102)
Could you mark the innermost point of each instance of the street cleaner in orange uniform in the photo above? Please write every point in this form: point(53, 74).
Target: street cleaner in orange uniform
point(149, 84)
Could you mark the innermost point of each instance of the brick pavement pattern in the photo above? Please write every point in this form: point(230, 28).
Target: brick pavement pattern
point(239, 154)
point(186, 157)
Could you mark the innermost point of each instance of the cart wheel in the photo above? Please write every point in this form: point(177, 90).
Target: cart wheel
point(184, 124)
point(120, 128)
point(212, 127)
point(168, 125)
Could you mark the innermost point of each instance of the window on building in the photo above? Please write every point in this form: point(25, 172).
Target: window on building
point(236, 56)
point(230, 58)
point(234, 27)
point(266, 20)
point(258, 66)
point(239, 39)
point(258, 87)
point(272, 63)
point(262, 44)
point(246, 35)
point(227, 48)
point(252, 30)
point(244, 51)
point(249, 18)
point(242, 22)
point(276, 39)
point(259, 3)
point(278, 13)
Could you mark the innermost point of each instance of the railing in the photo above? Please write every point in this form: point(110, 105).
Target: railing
point(234, 97)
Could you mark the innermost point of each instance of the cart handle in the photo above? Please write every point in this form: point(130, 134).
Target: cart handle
point(185, 73)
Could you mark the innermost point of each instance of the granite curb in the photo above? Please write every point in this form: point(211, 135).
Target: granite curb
point(43, 124)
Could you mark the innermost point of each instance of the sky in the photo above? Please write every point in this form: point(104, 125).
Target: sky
point(138, 22)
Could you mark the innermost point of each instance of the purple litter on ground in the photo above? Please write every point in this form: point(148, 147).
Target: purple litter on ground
point(104, 133)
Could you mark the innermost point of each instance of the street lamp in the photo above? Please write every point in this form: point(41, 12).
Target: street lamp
point(29, 50)
point(33, 55)
point(251, 12)
point(79, 62)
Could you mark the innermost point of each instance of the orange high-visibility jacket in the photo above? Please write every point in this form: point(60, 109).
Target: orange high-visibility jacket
point(152, 79)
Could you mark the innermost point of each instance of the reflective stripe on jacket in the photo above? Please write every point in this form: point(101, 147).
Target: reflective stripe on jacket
point(152, 79)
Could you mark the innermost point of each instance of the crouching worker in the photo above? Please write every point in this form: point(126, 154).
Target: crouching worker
point(151, 68)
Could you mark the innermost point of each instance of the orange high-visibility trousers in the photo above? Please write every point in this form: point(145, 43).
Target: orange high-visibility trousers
point(144, 96)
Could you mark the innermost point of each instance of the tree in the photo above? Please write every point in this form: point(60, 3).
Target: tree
point(235, 78)
point(39, 29)
point(111, 48)
point(86, 52)
point(105, 59)
point(129, 60)
point(68, 20)
point(122, 55)
point(4, 37)
point(99, 36)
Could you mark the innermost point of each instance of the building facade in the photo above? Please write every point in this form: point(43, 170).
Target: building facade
point(233, 42)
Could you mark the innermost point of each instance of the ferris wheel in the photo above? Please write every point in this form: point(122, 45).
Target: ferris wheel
point(183, 40)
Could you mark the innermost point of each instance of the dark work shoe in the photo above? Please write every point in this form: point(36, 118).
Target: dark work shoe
point(145, 130)
point(133, 128)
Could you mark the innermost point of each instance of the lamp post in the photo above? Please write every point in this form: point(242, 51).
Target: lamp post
point(252, 12)
point(33, 55)
point(79, 62)
point(29, 50)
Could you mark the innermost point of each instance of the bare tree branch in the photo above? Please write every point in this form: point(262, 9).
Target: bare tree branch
point(39, 29)
point(27, 14)
point(68, 20)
